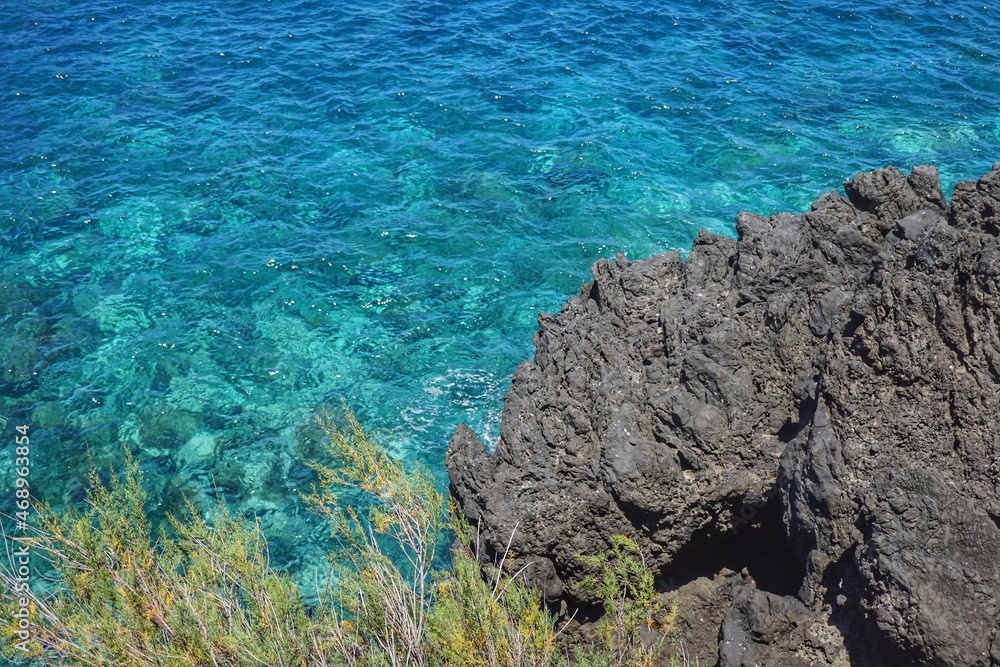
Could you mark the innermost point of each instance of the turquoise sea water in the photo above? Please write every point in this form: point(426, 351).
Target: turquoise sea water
point(218, 217)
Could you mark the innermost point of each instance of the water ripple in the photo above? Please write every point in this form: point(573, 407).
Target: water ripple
point(220, 218)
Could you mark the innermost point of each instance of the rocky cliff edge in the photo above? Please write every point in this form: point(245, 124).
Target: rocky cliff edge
point(800, 427)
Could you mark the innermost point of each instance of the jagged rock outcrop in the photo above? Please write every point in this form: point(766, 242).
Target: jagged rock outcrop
point(816, 404)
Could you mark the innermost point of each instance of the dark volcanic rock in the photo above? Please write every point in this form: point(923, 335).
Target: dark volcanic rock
point(816, 402)
point(930, 563)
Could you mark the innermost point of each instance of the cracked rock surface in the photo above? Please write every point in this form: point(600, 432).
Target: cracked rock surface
point(816, 404)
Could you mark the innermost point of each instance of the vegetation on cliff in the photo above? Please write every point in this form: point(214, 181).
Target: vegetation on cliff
point(203, 593)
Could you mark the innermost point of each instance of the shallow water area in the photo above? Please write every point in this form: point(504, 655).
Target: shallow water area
point(218, 219)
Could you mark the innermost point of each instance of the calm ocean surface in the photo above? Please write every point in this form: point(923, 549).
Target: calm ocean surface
point(218, 217)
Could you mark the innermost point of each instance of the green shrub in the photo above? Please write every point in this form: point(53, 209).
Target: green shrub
point(638, 628)
point(385, 564)
point(394, 607)
point(487, 621)
point(205, 595)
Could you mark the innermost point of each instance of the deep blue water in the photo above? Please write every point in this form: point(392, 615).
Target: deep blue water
point(218, 217)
